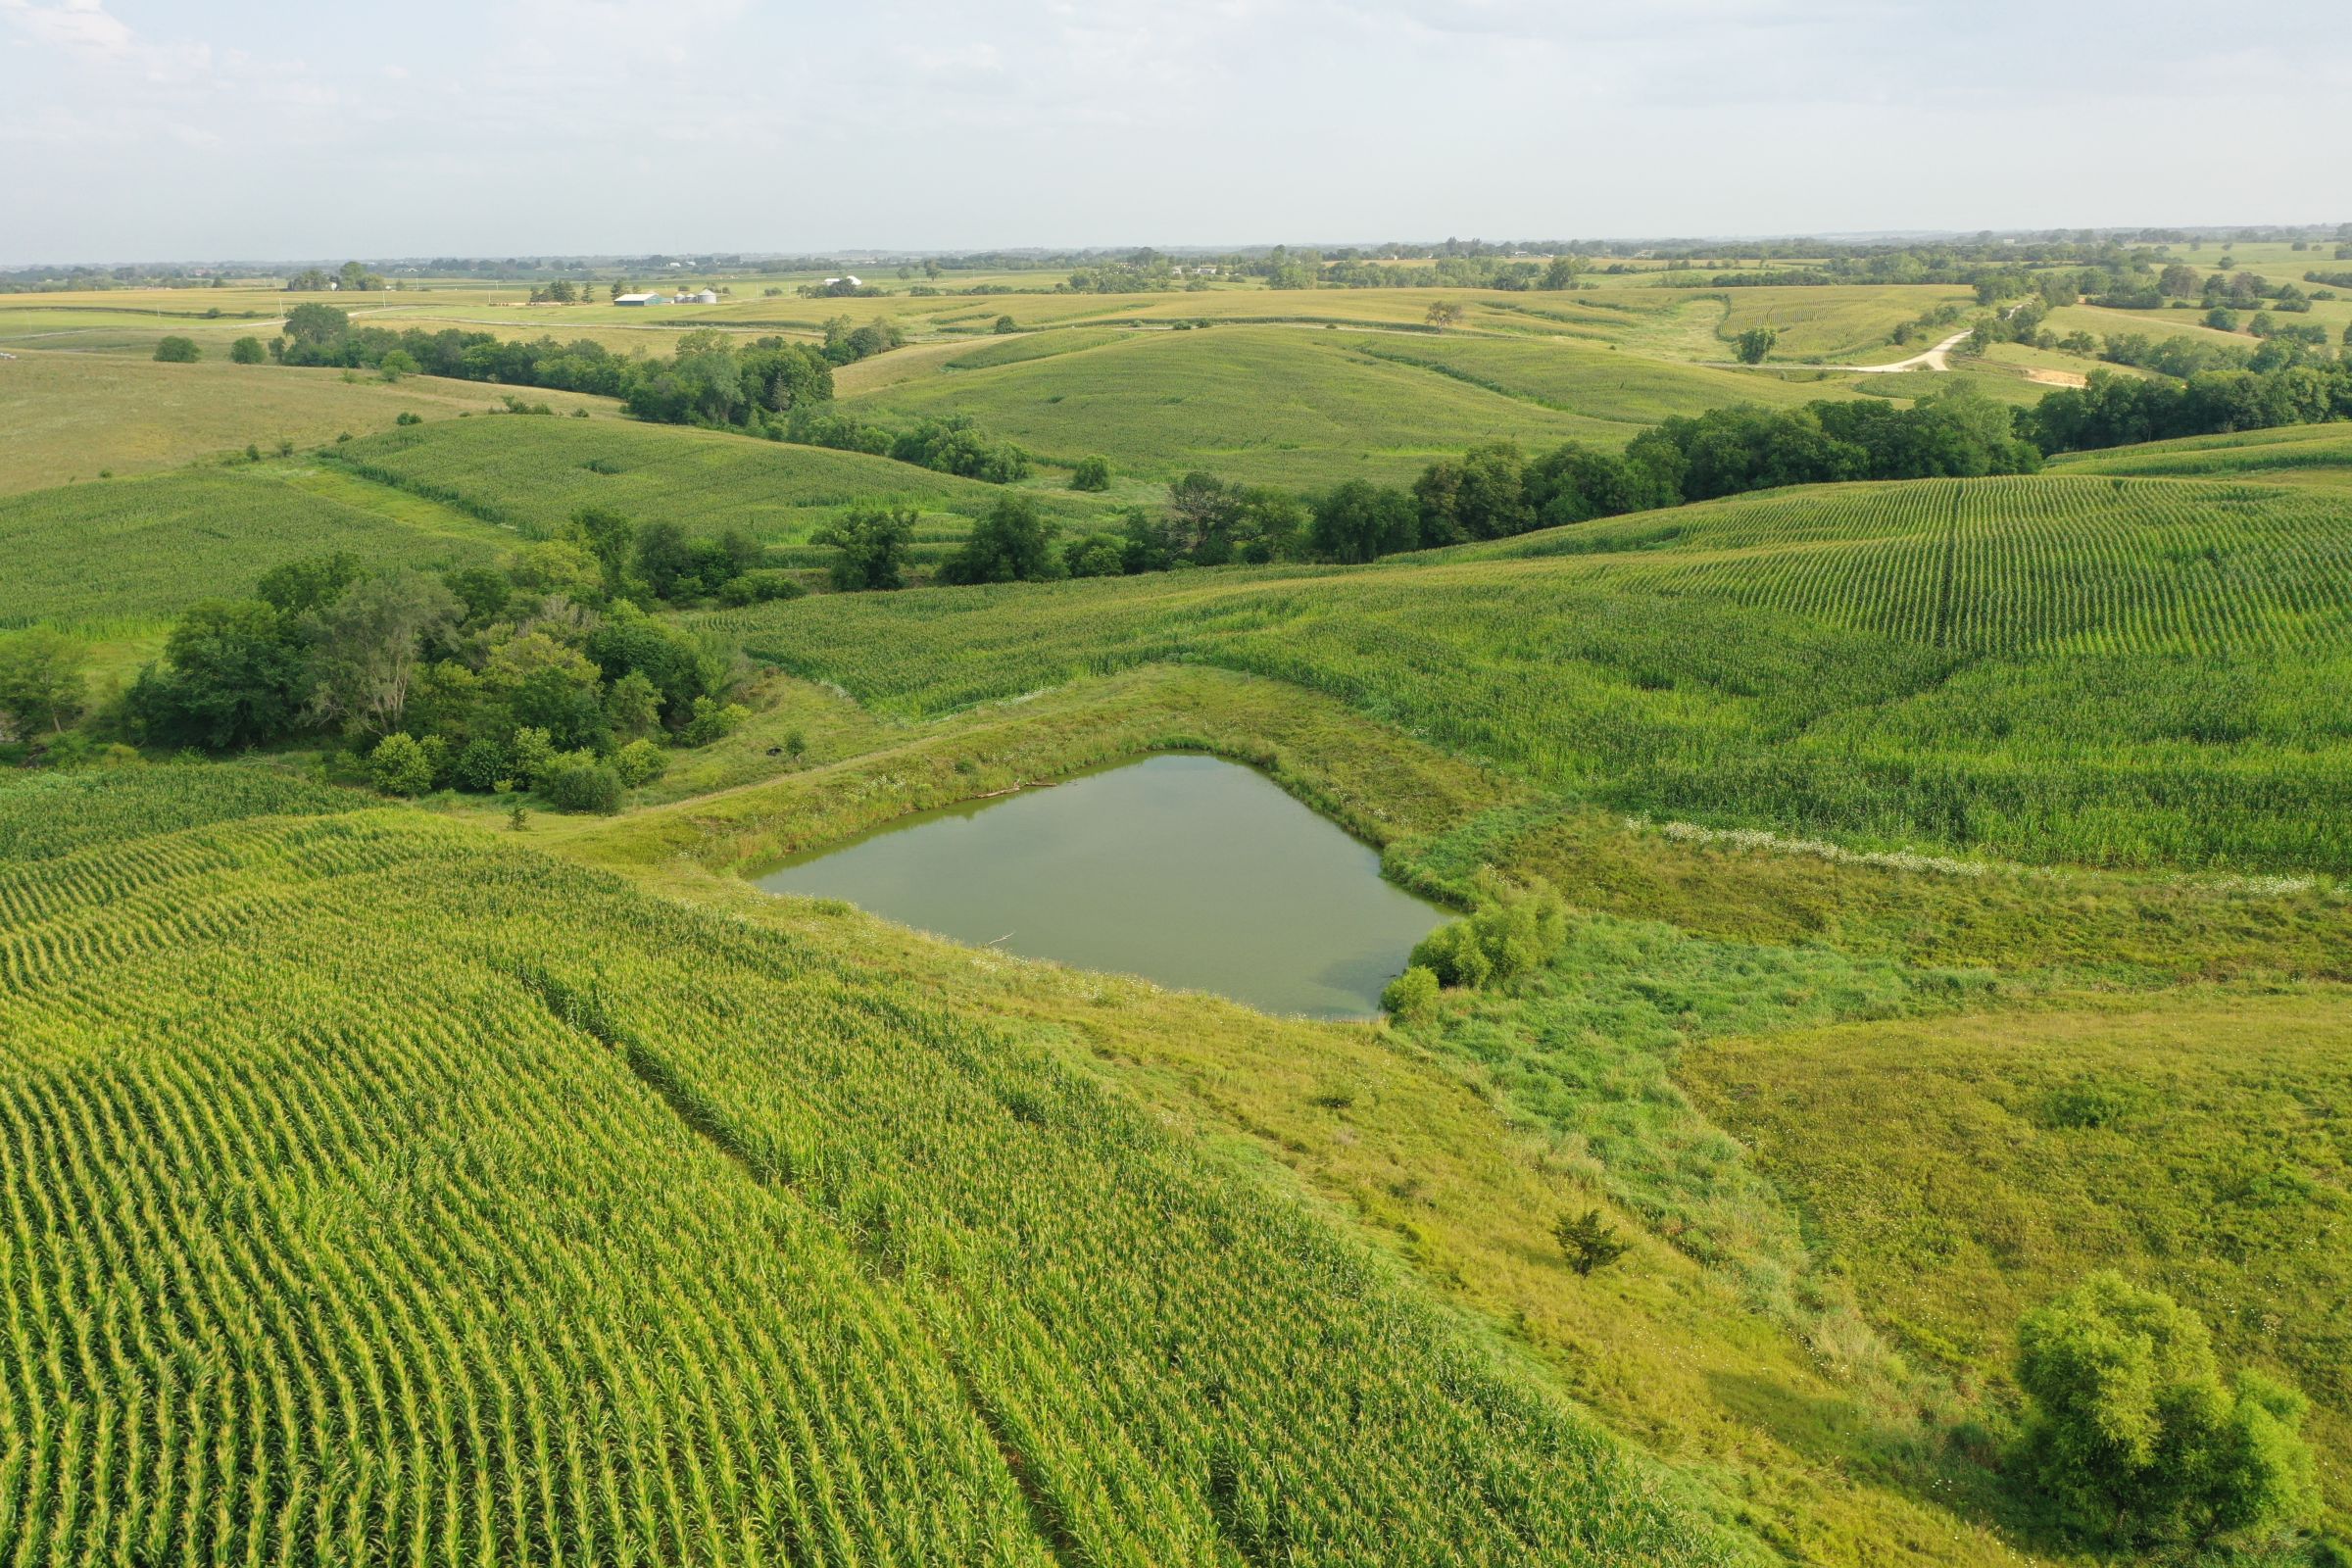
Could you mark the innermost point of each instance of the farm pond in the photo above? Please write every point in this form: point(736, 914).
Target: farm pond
point(1188, 870)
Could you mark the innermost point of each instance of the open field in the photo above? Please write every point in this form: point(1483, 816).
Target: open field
point(568, 1336)
point(1267, 404)
point(533, 480)
point(71, 417)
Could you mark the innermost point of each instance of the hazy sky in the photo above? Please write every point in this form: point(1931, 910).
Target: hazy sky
point(154, 130)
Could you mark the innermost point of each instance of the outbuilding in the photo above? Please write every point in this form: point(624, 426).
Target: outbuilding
point(705, 296)
point(637, 299)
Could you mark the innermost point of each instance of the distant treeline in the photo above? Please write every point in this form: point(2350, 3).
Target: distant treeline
point(772, 388)
point(1494, 492)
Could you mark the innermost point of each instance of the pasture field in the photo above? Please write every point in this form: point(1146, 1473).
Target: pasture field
point(1963, 1169)
point(69, 416)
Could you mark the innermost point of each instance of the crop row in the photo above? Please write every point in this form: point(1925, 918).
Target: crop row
point(376, 1192)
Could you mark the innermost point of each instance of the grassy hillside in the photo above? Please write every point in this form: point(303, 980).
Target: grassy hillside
point(533, 474)
point(1271, 403)
point(70, 415)
point(129, 554)
point(1961, 1171)
point(587, 1226)
point(2120, 673)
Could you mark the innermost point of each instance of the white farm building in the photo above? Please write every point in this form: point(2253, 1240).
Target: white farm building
point(640, 299)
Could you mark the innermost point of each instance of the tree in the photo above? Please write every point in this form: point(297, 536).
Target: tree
point(1358, 521)
point(2134, 1438)
point(314, 324)
point(1589, 1240)
point(1092, 473)
point(246, 351)
point(872, 544)
point(310, 583)
point(1442, 314)
point(1561, 272)
point(178, 351)
point(1755, 343)
point(372, 642)
point(665, 560)
point(41, 676)
point(1202, 509)
point(395, 365)
point(1005, 325)
point(1412, 996)
point(607, 535)
point(231, 676)
point(1011, 543)
point(401, 765)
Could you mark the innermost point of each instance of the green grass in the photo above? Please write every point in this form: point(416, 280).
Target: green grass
point(2109, 673)
point(1960, 1171)
point(126, 554)
point(69, 416)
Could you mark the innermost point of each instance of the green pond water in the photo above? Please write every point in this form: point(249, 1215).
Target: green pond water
point(1188, 870)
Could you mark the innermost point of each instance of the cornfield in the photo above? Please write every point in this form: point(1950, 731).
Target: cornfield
point(2102, 671)
point(375, 1192)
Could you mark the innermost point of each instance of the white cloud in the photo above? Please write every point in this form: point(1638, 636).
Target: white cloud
point(82, 25)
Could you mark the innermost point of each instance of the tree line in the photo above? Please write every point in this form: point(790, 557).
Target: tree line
point(547, 671)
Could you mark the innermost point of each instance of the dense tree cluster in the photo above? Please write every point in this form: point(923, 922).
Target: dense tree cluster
point(2118, 411)
point(542, 672)
point(1495, 491)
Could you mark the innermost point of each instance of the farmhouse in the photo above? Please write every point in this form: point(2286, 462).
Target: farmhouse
point(637, 299)
point(851, 278)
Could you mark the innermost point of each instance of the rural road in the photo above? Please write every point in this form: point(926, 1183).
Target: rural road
point(1938, 358)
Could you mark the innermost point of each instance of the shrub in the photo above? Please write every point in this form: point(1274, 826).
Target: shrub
point(246, 351)
point(1589, 1240)
point(639, 764)
point(405, 417)
point(482, 766)
point(1004, 324)
point(401, 764)
point(532, 752)
point(712, 722)
point(759, 587)
point(577, 781)
point(178, 351)
point(2134, 1438)
point(1412, 996)
point(1514, 931)
point(1092, 473)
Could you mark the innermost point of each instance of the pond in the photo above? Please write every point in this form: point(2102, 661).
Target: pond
point(1188, 870)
